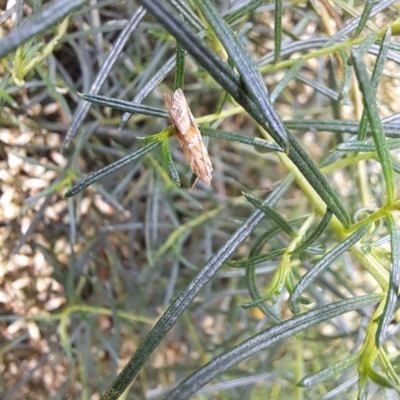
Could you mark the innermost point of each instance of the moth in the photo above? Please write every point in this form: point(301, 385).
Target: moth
point(189, 136)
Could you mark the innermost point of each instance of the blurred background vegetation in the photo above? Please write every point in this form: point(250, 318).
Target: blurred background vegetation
point(84, 279)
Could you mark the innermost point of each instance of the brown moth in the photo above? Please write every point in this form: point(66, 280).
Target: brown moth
point(189, 136)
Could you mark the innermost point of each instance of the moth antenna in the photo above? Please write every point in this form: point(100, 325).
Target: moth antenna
point(194, 184)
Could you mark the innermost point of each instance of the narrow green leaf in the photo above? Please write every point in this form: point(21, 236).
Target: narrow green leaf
point(102, 75)
point(269, 234)
point(396, 168)
point(331, 94)
point(364, 16)
point(53, 91)
point(244, 10)
point(244, 30)
point(341, 388)
point(316, 249)
point(275, 290)
point(208, 59)
point(259, 301)
point(291, 74)
point(392, 295)
point(231, 82)
point(270, 213)
point(248, 70)
point(223, 98)
point(315, 235)
point(338, 126)
point(123, 105)
point(327, 261)
point(84, 183)
point(347, 75)
point(158, 137)
point(180, 67)
point(376, 125)
point(380, 379)
point(363, 388)
point(332, 82)
point(262, 240)
point(375, 79)
point(262, 340)
point(45, 18)
point(330, 371)
point(171, 315)
point(183, 7)
point(278, 29)
point(5, 96)
point(352, 25)
point(233, 137)
point(72, 224)
point(149, 86)
point(256, 259)
point(366, 146)
point(317, 181)
point(363, 48)
point(34, 161)
point(290, 287)
point(38, 216)
point(388, 369)
point(304, 300)
point(169, 162)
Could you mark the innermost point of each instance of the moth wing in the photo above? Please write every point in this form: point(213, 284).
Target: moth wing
point(197, 155)
point(180, 112)
point(191, 117)
point(168, 103)
point(206, 166)
point(201, 163)
point(188, 135)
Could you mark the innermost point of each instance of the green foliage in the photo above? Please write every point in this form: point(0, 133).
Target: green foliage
point(28, 53)
point(321, 228)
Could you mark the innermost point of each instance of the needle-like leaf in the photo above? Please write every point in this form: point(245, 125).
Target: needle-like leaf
point(84, 183)
point(392, 295)
point(255, 344)
point(231, 82)
point(327, 261)
point(376, 125)
point(170, 316)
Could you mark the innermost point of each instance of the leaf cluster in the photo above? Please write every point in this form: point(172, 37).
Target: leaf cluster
point(299, 254)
